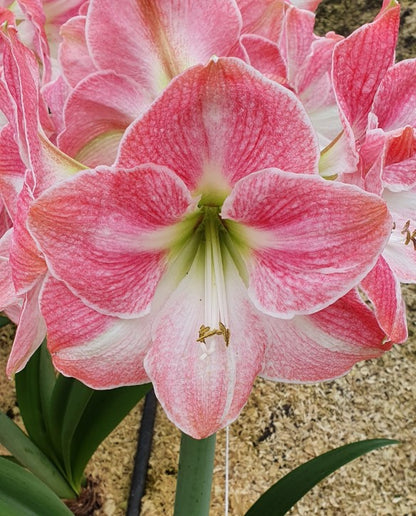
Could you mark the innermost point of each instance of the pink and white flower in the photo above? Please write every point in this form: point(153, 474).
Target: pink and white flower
point(211, 241)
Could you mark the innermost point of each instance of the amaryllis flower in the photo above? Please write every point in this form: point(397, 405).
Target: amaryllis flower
point(212, 252)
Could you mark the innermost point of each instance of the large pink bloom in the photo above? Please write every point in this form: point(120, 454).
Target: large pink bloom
point(211, 253)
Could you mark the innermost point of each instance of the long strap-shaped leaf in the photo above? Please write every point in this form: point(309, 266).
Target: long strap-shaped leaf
point(283, 495)
point(29, 455)
point(104, 411)
point(22, 494)
point(34, 386)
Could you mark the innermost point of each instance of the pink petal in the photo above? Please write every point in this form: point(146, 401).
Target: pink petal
point(263, 17)
point(220, 123)
point(101, 351)
point(203, 388)
point(395, 100)
point(74, 56)
point(360, 62)
point(55, 94)
point(31, 331)
point(401, 257)
point(152, 42)
point(324, 345)
point(313, 243)
point(297, 40)
point(400, 160)
point(96, 234)
point(101, 106)
point(12, 170)
point(25, 258)
point(47, 163)
point(7, 291)
point(265, 56)
point(383, 290)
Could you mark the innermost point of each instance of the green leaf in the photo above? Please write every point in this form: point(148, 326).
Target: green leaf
point(283, 495)
point(30, 456)
point(105, 410)
point(22, 494)
point(77, 400)
point(33, 384)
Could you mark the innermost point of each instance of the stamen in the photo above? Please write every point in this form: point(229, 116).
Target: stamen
point(409, 236)
point(216, 310)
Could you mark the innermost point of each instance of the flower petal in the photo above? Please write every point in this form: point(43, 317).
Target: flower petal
point(360, 62)
point(31, 331)
point(324, 345)
point(220, 123)
point(395, 100)
point(383, 289)
point(101, 351)
point(154, 41)
point(96, 233)
point(101, 105)
point(203, 387)
point(313, 239)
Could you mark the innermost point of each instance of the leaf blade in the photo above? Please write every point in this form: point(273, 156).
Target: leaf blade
point(287, 491)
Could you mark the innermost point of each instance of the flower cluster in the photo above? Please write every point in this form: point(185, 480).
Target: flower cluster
point(197, 193)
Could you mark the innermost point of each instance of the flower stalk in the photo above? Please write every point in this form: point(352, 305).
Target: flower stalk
point(196, 464)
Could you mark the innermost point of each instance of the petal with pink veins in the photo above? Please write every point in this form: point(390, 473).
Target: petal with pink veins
point(263, 17)
point(360, 63)
point(25, 258)
point(395, 100)
point(152, 42)
point(74, 56)
point(383, 290)
point(7, 291)
point(322, 346)
point(265, 56)
point(203, 386)
point(312, 240)
point(31, 330)
point(218, 123)
point(79, 338)
point(105, 233)
point(400, 252)
point(97, 113)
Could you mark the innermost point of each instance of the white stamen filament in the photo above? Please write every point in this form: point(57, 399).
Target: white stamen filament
point(216, 310)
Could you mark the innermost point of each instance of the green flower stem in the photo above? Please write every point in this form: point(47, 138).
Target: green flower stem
point(196, 464)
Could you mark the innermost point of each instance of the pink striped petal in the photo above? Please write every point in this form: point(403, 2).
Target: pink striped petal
point(383, 289)
point(25, 258)
point(55, 94)
point(96, 233)
point(263, 17)
point(400, 160)
point(395, 100)
point(101, 351)
point(101, 105)
point(218, 123)
point(265, 56)
point(74, 56)
point(312, 244)
point(152, 42)
point(361, 61)
point(322, 346)
point(297, 40)
point(31, 331)
point(203, 387)
point(7, 291)
point(12, 170)
point(47, 163)
point(401, 257)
